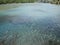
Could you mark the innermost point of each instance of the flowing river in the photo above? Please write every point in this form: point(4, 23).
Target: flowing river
point(35, 22)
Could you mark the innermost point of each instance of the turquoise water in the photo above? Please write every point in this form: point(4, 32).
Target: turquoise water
point(32, 21)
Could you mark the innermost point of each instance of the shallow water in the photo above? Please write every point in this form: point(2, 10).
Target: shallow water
point(34, 22)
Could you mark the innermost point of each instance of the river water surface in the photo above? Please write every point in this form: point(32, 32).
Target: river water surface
point(35, 22)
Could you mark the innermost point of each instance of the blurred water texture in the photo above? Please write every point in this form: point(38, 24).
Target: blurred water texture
point(35, 24)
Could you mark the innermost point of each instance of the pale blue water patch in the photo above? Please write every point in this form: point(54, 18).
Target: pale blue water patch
point(34, 11)
point(28, 18)
point(31, 8)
